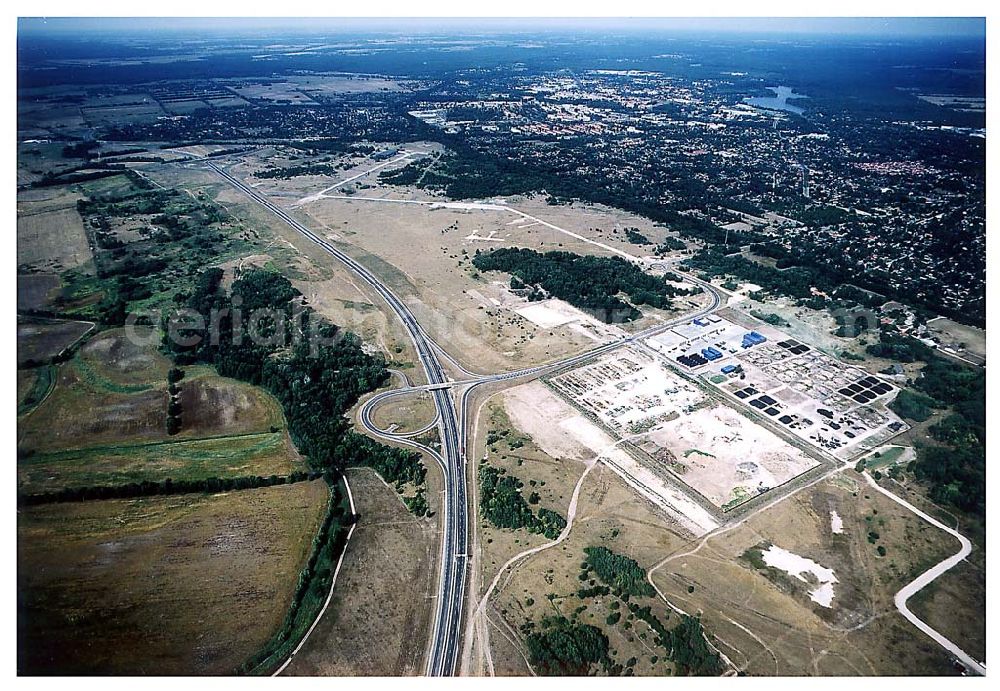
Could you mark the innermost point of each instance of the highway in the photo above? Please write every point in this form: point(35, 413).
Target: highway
point(443, 649)
point(443, 653)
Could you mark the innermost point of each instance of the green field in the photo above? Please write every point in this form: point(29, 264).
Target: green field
point(264, 453)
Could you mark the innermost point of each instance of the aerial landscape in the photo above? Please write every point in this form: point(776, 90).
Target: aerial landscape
point(501, 348)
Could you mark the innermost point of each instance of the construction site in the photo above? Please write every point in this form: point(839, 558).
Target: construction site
point(838, 409)
point(731, 411)
point(677, 432)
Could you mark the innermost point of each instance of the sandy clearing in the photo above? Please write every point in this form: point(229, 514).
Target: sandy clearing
point(795, 565)
point(562, 432)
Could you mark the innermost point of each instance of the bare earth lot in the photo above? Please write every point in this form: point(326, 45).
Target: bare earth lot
point(160, 585)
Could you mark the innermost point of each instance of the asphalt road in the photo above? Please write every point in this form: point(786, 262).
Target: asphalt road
point(924, 579)
point(454, 552)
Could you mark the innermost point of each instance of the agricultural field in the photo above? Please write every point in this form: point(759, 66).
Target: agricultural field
point(39, 340)
point(50, 232)
point(33, 385)
point(110, 402)
point(160, 585)
point(36, 291)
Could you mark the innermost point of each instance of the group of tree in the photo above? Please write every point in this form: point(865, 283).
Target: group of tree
point(563, 647)
point(621, 573)
point(636, 238)
point(593, 284)
point(689, 649)
point(501, 503)
point(174, 375)
point(288, 172)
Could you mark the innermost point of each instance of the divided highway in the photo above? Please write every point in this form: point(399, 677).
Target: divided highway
point(443, 652)
point(451, 591)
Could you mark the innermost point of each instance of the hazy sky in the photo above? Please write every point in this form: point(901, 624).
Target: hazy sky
point(870, 26)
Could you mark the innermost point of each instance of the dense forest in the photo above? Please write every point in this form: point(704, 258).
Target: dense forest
point(593, 284)
point(956, 468)
point(568, 648)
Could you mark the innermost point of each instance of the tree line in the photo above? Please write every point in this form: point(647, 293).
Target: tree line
point(150, 488)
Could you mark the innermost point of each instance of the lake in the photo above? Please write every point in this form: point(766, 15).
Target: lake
point(782, 94)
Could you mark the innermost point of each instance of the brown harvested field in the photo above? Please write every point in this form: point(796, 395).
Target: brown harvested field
point(766, 618)
point(79, 413)
point(160, 585)
point(53, 240)
point(115, 391)
point(954, 604)
point(42, 339)
point(36, 291)
point(379, 619)
point(126, 357)
point(213, 405)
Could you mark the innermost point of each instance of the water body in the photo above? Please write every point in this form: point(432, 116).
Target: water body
point(782, 94)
